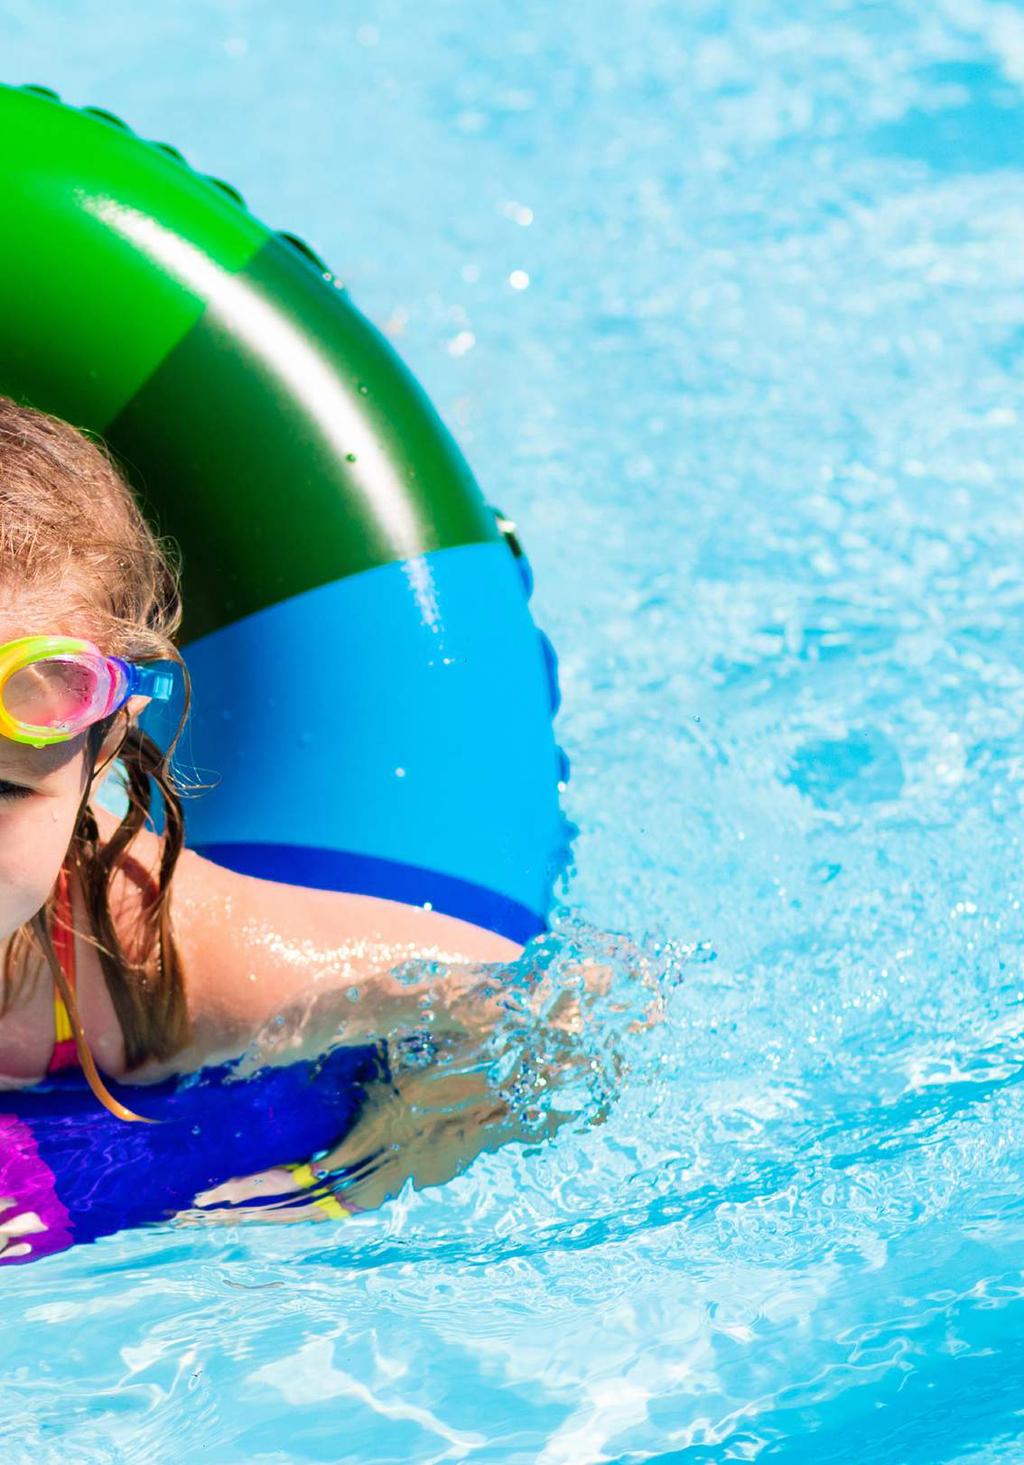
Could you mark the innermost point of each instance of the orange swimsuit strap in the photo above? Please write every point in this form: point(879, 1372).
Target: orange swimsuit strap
point(71, 1047)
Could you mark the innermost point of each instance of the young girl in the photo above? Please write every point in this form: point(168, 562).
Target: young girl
point(123, 951)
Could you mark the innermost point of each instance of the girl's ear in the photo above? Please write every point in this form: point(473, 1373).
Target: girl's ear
point(135, 707)
point(115, 736)
point(111, 744)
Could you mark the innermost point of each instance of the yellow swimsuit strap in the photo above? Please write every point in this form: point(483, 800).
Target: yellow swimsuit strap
point(63, 1031)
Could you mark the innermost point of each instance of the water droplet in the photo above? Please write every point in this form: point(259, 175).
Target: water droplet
point(363, 389)
point(351, 458)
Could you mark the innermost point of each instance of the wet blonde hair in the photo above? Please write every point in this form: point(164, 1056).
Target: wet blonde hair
point(72, 534)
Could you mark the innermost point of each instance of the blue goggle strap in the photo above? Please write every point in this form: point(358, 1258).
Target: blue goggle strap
point(148, 681)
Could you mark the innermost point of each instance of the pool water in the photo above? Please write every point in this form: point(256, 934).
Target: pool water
point(726, 307)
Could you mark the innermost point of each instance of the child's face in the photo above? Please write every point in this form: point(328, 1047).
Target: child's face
point(40, 793)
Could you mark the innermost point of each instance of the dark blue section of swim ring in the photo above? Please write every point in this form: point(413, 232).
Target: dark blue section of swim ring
point(213, 1126)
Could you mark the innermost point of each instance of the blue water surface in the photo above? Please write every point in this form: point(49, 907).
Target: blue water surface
point(725, 305)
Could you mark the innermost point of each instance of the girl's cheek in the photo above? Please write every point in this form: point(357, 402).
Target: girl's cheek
point(34, 838)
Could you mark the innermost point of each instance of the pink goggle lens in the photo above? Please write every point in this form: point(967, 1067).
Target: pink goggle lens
point(67, 693)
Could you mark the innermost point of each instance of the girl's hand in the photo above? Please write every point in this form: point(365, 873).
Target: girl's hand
point(442, 1106)
point(446, 1102)
point(448, 1040)
point(271, 1195)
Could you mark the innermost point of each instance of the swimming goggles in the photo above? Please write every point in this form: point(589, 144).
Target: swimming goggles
point(54, 687)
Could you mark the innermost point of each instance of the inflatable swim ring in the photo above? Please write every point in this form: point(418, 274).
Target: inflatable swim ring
point(326, 520)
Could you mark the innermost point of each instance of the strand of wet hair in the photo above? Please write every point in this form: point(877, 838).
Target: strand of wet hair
point(41, 928)
point(143, 761)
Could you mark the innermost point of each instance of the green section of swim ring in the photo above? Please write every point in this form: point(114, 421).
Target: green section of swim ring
point(268, 426)
point(88, 312)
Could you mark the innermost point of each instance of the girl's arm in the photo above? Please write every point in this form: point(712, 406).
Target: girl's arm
point(254, 951)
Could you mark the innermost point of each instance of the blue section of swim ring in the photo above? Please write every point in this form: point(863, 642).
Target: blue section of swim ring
point(389, 733)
